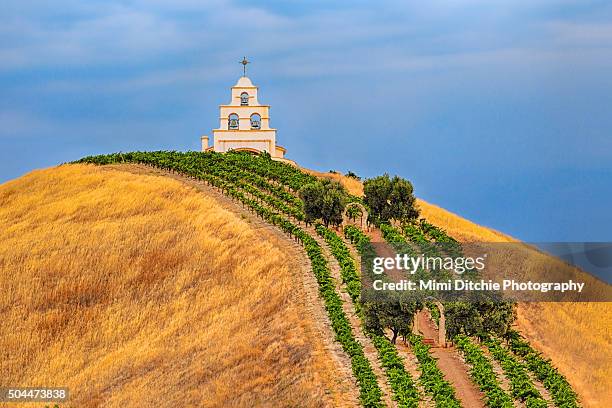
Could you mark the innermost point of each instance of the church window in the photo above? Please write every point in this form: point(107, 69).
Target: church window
point(233, 122)
point(244, 99)
point(255, 121)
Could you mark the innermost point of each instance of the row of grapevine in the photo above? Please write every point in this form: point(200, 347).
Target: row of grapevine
point(522, 387)
point(350, 277)
point(562, 394)
point(214, 163)
point(283, 173)
point(437, 234)
point(404, 390)
point(482, 373)
point(263, 183)
point(416, 235)
point(271, 200)
point(398, 241)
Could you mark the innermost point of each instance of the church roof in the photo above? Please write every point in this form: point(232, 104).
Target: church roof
point(243, 82)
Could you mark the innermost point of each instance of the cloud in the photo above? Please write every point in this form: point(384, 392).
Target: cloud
point(580, 34)
point(119, 34)
point(180, 39)
point(115, 33)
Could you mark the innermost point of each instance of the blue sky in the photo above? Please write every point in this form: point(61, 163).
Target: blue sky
point(500, 111)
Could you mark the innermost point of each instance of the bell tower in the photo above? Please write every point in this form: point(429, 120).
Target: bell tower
point(244, 123)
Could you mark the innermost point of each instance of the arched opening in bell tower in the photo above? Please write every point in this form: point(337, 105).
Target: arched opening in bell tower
point(244, 99)
point(256, 121)
point(233, 122)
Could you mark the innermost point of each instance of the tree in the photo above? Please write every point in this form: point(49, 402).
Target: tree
point(403, 202)
point(377, 192)
point(390, 198)
point(311, 194)
point(462, 318)
point(353, 175)
point(334, 201)
point(324, 200)
point(497, 316)
point(393, 313)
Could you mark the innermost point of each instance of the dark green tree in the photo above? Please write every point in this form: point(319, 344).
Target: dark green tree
point(334, 201)
point(353, 175)
point(377, 192)
point(325, 200)
point(462, 318)
point(390, 199)
point(403, 202)
point(312, 194)
point(392, 313)
point(497, 316)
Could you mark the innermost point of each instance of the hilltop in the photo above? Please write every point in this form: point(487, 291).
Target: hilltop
point(140, 280)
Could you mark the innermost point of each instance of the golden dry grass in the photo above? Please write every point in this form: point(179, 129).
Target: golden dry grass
point(459, 227)
point(576, 336)
point(578, 339)
point(135, 290)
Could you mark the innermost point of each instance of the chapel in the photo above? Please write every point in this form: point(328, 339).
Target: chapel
point(244, 123)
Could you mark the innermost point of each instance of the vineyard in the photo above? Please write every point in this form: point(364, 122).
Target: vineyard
point(269, 189)
point(518, 356)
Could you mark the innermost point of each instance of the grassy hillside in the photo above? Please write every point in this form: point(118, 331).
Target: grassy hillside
point(576, 336)
point(134, 290)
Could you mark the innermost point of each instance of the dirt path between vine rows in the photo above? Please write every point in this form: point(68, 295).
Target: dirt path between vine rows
point(455, 370)
point(383, 249)
point(345, 386)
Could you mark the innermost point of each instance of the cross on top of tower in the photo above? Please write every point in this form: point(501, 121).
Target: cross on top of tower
point(244, 63)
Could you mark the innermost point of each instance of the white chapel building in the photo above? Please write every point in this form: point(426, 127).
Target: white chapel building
point(244, 123)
